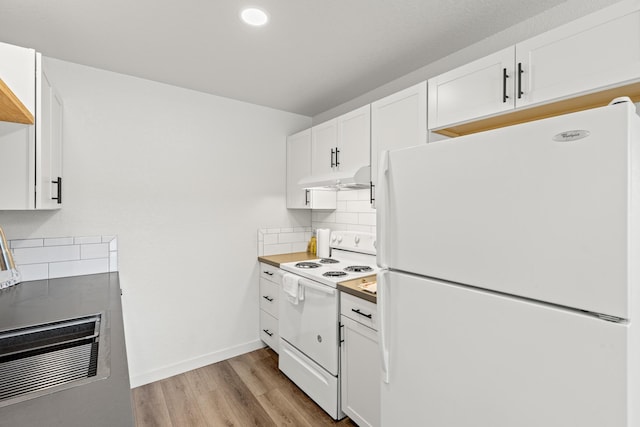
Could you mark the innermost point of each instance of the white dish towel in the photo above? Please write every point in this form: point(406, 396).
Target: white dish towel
point(291, 288)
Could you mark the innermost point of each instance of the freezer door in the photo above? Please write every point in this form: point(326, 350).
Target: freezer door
point(518, 211)
point(462, 358)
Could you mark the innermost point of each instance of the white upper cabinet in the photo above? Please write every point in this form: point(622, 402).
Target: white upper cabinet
point(298, 167)
point(17, 84)
point(596, 51)
point(31, 156)
point(324, 141)
point(354, 139)
point(476, 89)
point(397, 121)
point(341, 145)
point(582, 64)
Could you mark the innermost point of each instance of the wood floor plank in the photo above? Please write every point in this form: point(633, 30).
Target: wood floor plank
point(216, 410)
point(242, 401)
point(150, 407)
point(248, 390)
point(181, 402)
point(282, 410)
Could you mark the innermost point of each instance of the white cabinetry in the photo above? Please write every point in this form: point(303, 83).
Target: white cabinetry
point(397, 121)
point(18, 100)
point(298, 167)
point(342, 145)
point(31, 155)
point(359, 361)
point(593, 54)
point(270, 279)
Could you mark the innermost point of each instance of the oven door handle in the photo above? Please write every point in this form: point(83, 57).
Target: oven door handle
point(322, 288)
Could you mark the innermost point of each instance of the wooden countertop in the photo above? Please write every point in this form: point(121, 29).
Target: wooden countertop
point(351, 287)
point(276, 260)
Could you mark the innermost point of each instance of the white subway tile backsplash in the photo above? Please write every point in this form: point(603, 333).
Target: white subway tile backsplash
point(299, 247)
point(38, 259)
point(26, 243)
point(59, 241)
point(87, 239)
point(286, 230)
point(359, 206)
point(92, 251)
point(46, 254)
point(113, 261)
point(34, 271)
point(282, 248)
point(290, 237)
point(365, 195)
point(78, 268)
point(348, 195)
point(347, 217)
point(271, 239)
point(367, 218)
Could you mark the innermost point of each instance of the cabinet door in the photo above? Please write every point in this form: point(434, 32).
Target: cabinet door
point(590, 53)
point(480, 88)
point(298, 166)
point(360, 376)
point(16, 70)
point(48, 146)
point(397, 121)
point(324, 140)
point(354, 139)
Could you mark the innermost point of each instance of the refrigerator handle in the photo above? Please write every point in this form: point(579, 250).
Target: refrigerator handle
point(383, 297)
point(382, 202)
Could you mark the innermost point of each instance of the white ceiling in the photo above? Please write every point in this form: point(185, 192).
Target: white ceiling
point(312, 56)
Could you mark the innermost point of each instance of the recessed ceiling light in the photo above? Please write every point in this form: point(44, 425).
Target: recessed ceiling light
point(255, 17)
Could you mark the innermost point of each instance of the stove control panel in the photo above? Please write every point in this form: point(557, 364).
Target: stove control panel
point(355, 241)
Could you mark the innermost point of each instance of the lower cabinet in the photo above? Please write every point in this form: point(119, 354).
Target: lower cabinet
point(270, 279)
point(359, 361)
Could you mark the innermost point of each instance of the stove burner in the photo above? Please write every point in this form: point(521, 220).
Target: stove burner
point(334, 274)
point(308, 265)
point(359, 268)
point(328, 261)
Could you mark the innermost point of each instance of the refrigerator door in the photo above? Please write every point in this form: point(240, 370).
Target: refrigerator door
point(460, 357)
point(521, 210)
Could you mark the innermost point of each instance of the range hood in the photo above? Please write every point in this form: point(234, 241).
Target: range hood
point(354, 179)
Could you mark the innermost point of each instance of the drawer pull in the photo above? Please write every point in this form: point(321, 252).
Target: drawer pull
point(357, 310)
point(266, 331)
point(268, 273)
point(268, 298)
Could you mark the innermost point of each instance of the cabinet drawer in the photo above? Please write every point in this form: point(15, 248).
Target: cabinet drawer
point(269, 330)
point(271, 273)
point(269, 297)
point(359, 310)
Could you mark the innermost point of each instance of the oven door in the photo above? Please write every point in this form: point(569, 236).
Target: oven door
point(311, 326)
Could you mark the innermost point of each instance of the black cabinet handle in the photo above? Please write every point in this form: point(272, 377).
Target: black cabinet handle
point(371, 196)
point(268, 298)
point(332, 162)
point(357, 310)
point(505, 76)
point(341, 333)
point(306, 197)
point(266, 331)
point(337, 160)
point(268, 273)
point(59, 194)
point(520, 71)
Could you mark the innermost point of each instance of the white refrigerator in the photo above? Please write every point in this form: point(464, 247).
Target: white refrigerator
point(510, 294)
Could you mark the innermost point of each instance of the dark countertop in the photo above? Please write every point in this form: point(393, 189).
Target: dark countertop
point(102, 403)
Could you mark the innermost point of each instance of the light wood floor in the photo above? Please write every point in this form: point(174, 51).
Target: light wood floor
point(247, 390)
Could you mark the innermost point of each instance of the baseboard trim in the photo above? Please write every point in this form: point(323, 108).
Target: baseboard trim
point(195, 363)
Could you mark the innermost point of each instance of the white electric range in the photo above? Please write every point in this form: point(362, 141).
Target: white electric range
point(309, 324)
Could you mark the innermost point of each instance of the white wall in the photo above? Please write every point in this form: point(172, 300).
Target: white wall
point(353, 212)
point(183, 179)
point(552, 18)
